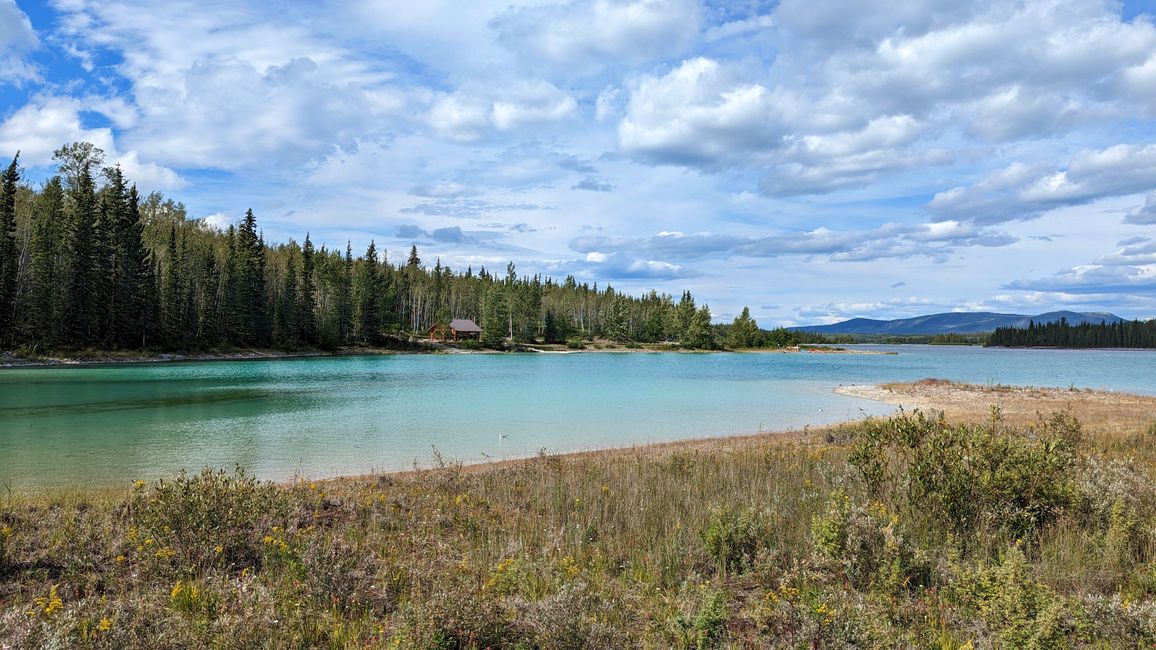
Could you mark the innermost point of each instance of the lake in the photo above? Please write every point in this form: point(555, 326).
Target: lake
point(328, 416)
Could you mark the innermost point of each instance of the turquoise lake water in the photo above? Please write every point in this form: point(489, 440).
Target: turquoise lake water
point(322, 417)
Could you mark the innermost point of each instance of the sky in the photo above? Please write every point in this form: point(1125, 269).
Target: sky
point(815, 160)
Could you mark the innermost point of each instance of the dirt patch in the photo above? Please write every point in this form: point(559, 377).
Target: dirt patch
point(1104, 411)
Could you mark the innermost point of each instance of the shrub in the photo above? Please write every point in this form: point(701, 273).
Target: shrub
point(347, 579)
point(868, 547)
point(454, 614)
point(705, 625)
point(1020, 611)
point(211, 519)
point(574, 617)
point(575, 344)
point(964, 478)
point(732, 538)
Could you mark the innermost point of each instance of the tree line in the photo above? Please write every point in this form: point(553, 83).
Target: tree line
point(86, 262)
point(1061, 334)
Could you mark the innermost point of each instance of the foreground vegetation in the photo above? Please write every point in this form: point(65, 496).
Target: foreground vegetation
point(895, 532)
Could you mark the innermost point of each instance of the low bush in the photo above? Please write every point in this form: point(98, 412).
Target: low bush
point(732, 538)
point(1021, 612)
point(967, 478)
point(192, 523)
point(868, 547)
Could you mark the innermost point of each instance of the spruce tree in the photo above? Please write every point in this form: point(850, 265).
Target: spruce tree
point(345, 297)
point(8, 259)
point(744, 332)
point(80, 309)
point(698, 334)
point(307, 302)
point(495, 315)
point(173, 294)
point(286, 321)
point(138, 288)
point(47, 298)
point(367, 289)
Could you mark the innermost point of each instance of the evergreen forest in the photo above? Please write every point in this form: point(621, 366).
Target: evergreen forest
point(86, 262)
point(1061, 334)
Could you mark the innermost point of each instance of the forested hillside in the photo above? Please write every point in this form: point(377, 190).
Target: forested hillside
point(87, 262)
point(1061, 334)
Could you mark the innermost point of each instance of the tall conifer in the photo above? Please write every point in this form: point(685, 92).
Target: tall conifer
point(8, 260)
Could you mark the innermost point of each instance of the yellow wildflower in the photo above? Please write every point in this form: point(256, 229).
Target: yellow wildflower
point(569, 566)
point(48, 605)
point(105, 625)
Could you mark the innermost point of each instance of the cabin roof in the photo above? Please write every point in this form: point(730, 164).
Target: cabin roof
point(464, 325)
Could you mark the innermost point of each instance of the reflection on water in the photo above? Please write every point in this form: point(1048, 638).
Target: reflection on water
point(326, 416)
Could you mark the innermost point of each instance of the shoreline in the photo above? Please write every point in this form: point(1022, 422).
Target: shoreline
point(1098, 412)
point(9, 360)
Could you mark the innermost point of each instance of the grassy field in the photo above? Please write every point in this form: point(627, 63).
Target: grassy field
point(1034, 530)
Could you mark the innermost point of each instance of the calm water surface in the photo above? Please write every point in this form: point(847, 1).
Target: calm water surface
point(322, 417)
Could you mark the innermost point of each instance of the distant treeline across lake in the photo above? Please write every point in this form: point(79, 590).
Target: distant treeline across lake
point(1061, 334)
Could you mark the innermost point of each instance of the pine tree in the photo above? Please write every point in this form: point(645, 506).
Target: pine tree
point(307, 301)
point(208, 299)
point(345, 297)
point(495, 315)
point(367, 289)
point(80, 309)
point(682, 316)
point(173, 294)
point(287, 321)
point(617, 325)
point(699, 335)
point(250, 300)
point(550, 330)
point(744, 332)
point(231, 302)
point(8, 260)
point(137, 289)
point(47, 298)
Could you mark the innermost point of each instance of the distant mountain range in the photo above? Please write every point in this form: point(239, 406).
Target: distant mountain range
point(958, 322)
